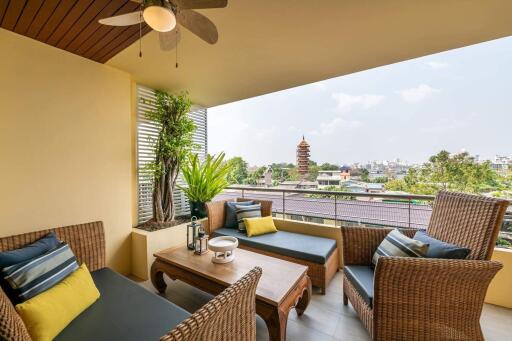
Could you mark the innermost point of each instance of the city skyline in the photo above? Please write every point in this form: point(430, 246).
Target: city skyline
point(452, 100)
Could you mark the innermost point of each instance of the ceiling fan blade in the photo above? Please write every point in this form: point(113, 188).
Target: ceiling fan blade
point(198, 4)
point(198, 24)
point(169, 40)
point(123, 19)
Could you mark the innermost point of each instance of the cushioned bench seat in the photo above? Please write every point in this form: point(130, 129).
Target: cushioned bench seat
point(296, 245)
point(361, 276)
point(125, 311)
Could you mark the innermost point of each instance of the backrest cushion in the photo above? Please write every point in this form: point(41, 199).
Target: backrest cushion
point(259, 226)
point(246, 211)
point(398, 244)
point(37, 248)
point(231, 221)
point(47, 314)
point(439, 249)
point(34, 276)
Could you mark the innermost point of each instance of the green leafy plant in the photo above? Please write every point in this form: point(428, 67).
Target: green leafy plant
point(172, 147)
point(205, 179)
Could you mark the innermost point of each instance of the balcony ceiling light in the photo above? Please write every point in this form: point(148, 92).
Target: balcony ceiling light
point(159, 18)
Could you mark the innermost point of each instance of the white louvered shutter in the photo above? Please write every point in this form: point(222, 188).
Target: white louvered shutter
point(149, 129)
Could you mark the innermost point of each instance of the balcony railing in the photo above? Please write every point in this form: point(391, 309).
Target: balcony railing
point(348, 208)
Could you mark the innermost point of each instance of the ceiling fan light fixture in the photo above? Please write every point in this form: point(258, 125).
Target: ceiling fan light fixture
point(159, 18)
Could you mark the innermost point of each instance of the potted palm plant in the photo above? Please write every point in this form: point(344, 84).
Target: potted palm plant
point(204, 181)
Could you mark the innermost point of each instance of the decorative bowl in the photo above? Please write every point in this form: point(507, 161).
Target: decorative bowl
point(223, 248)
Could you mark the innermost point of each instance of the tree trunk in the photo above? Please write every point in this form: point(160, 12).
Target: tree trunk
point(163, 194)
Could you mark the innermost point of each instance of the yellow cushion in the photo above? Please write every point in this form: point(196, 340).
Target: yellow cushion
point(258, 226)
point(48, 313)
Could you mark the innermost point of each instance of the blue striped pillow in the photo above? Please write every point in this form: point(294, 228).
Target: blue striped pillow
point(40, 273)
point(397, 244)
point(247, 211)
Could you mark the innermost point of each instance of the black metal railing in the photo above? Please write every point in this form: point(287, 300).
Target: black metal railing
point(334, 208)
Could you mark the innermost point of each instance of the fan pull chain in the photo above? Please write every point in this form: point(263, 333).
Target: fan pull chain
point(177, 47)
point(140, 33)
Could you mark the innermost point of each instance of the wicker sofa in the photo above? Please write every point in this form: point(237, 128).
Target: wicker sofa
point(127, 311)
point(320, 255)
point(426, 298)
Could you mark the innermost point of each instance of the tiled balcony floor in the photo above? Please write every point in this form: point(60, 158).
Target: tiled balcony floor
point(326, 318)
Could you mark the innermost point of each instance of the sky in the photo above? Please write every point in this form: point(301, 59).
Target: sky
point(455, 100)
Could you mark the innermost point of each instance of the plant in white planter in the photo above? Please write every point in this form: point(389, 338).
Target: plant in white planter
point(204, 180)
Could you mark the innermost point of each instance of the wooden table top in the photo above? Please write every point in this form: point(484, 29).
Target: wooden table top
point(278, 278)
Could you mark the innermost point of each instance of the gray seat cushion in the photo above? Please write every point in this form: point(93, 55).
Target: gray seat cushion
point(125, 311)
point(296, 245)
point(361, 277)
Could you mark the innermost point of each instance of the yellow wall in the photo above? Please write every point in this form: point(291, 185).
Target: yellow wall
point(65, 143)
point(499, 289)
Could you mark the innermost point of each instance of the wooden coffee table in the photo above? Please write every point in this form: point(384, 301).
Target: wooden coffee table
point(282, 286)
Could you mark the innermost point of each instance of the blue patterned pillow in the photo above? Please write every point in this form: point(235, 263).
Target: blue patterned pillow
point(37, 248)
point(40, 273)
point(246, 211)
point(231, 221)
point(439, 249)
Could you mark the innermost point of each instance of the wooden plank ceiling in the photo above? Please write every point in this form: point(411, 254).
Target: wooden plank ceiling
point(72, 25)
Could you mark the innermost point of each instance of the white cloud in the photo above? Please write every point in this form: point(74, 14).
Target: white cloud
point(437, 65)
point(331, 127)
point(418, 94)
point(347, 102)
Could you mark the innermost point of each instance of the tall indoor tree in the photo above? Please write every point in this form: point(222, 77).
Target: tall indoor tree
point(172, 147)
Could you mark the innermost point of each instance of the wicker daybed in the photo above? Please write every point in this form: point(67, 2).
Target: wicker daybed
point(126, 311)
point(320, 255)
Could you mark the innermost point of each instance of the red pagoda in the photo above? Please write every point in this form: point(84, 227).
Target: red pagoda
point(303, 157)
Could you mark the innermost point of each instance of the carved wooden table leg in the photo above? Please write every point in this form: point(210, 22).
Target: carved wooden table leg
point(276, 325)
point(276, 318)
point(157, 277)
point(303, 301)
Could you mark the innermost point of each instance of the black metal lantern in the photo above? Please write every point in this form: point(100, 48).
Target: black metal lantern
point(201, 243)
point(192, 233)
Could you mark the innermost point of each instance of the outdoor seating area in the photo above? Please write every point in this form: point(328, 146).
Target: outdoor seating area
point(122, 220)
point(320, 255)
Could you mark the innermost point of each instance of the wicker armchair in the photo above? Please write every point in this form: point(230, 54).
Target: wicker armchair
point(229, 316)
point(429, 299)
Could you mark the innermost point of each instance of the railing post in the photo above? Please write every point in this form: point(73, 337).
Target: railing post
point(409, 220)
point(284, 215)
point(243, 193)
point(335, 210)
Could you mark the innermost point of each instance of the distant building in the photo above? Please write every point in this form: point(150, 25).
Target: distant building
point(266, 178)
point(502, 164)
point(336, 178)
point(303, 158)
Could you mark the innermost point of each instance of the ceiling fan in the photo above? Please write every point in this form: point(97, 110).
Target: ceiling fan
point(163, 16)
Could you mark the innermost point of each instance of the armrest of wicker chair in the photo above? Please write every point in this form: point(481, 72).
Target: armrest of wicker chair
point(216, 213)
point(229, 316)
point(360, 243)
point(438, 299)
point(12, 327)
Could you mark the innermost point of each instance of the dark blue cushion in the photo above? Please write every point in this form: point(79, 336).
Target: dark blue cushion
point(296, 245)
point(30, 251)
point(125, 311)
point(440, 249)
point(231, 219)
point(361, 277)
